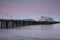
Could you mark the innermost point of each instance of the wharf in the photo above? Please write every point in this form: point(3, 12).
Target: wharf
point(10, 23)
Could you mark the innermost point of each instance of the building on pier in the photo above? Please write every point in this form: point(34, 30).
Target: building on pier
point(48, 19)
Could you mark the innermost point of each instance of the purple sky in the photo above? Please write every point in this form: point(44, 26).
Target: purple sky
point(29, 9)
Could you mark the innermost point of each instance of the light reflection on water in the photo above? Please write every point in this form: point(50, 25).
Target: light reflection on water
point(46, 27)
point(34, 32)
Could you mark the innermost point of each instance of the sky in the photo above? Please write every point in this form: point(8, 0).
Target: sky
point(29, 9)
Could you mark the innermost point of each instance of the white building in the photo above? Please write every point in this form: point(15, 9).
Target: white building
point(49, 19)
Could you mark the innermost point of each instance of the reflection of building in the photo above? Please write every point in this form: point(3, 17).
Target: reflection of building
point(49, 19)
point(46, 27)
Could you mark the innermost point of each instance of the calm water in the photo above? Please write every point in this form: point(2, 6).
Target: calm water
point(34, 32)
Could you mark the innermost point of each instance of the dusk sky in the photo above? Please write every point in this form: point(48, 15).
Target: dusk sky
point(22, 9)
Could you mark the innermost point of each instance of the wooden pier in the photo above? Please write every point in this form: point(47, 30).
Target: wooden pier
point(7, 23)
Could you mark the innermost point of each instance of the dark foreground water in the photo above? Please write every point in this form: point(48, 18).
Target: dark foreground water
point(34, 32)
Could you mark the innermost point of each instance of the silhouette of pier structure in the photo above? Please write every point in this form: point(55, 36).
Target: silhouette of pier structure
point(7, 23)
point(11, 23)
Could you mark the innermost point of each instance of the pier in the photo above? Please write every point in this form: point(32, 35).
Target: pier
point(6, 23)
point(10, 23)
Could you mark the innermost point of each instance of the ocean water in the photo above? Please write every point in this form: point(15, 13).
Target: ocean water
point(33, 32)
